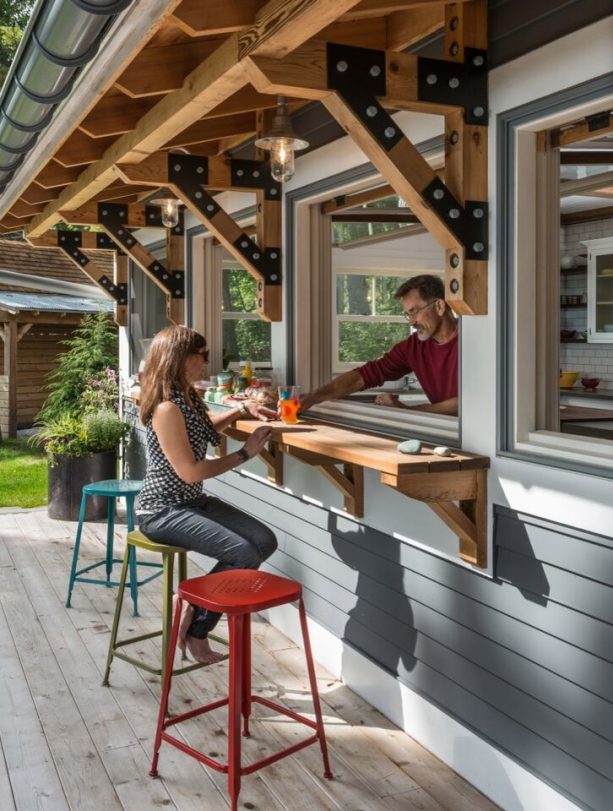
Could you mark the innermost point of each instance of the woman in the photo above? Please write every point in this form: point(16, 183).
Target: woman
point(172, 507)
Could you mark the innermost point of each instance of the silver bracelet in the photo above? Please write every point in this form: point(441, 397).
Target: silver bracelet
point(242, 407)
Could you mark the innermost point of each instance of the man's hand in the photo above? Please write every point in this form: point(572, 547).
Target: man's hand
point(307, 401)
point(390, 400)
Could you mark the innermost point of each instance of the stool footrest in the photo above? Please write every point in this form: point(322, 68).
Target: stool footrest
point(223, 767)
point(79, 579)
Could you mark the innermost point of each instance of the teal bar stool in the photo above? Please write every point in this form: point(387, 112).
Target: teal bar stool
point(112, 489)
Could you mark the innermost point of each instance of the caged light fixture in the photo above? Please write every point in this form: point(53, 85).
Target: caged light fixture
point(169, 206)
point(282, 142)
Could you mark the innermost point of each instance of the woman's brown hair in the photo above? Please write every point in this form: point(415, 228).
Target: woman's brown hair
point(165, 367)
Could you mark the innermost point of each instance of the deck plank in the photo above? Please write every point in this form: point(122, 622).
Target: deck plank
point(376, 766)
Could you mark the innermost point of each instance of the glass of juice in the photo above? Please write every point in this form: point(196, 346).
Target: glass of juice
point(289, 404)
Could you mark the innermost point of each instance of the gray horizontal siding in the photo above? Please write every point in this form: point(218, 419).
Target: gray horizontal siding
point(524, 660)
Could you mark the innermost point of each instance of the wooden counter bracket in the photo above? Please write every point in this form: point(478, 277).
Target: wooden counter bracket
point(455, 487)
point(440, 491)
point(350, 481)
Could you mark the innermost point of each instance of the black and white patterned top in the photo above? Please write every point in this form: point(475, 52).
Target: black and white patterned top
point(162, 486)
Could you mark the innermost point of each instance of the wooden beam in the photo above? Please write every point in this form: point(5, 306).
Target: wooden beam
point(35, 194)
point(466, 175)
point(10, 372)
point(72, 244)
point(80, 149)
point(346, 201)
point(115, 115)
point(591, 183)
point(282, 25)
point(120, 280)
point(215, 17)
point(587, 216)
point(586, 157)
point(367, 9)
point(409, 26)
point(364, 33)
point(588, 129)
point(163, 70)
point(212, 129)
point(54, 175)
point(21, 209)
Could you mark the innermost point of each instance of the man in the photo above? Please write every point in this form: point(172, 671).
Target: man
point(430, 352)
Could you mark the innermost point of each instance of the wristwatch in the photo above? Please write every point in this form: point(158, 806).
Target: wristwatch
point(243, 455)
point(242, 407)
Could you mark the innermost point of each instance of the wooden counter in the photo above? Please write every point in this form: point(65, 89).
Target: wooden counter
point(341, 455)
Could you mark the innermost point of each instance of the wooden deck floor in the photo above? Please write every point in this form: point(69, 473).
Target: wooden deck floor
point(69, 743)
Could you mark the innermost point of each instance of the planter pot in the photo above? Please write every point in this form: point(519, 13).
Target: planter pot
point(67, 477)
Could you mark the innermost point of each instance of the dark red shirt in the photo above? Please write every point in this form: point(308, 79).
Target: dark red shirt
point(435, 365)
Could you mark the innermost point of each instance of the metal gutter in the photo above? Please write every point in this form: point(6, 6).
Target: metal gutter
point(61, 37)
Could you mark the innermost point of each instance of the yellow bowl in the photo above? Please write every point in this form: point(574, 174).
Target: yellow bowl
point(568, 379)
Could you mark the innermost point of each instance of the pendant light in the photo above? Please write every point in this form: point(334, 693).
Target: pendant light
point(282, 142)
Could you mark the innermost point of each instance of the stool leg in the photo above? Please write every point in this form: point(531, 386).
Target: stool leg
point(153, 772)
point(77, 544)
point(246, 673)
point(183, 576)
point(236, 628)
point(314, 691)
point(118, 607)
point(133, 570)
point(167, 581)
point(110, 538)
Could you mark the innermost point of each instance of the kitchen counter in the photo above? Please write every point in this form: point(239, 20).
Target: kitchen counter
point(597, 394)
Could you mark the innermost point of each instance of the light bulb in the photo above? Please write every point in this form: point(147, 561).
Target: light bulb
point(170, 212)
point(282, 165)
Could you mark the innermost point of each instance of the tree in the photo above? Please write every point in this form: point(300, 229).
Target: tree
point(14, 16)
point(92, 349)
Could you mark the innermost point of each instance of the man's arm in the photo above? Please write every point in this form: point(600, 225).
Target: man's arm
point(347, 383)
point(449, 407)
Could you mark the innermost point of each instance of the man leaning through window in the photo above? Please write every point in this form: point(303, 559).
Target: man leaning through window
point(430, 352)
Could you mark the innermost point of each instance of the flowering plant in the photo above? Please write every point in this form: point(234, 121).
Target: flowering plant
point(101, 392)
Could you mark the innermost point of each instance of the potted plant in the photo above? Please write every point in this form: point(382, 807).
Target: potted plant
point(79, 424)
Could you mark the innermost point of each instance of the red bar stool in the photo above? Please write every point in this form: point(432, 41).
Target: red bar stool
point(238, 593)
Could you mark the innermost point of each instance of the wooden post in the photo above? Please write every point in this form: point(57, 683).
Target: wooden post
point(9, 336)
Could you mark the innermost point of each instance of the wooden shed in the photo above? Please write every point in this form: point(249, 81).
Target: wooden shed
point(43, 298)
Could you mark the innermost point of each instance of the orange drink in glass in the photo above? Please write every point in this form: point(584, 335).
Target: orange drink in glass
point(289, 404)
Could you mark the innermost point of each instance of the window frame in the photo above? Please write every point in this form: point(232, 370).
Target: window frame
point(308, 272)
point(337, 366)
point(527, 300)
point(236, 315)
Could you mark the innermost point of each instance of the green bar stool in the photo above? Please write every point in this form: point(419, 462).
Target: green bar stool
point(137, 539)
point(112, 489)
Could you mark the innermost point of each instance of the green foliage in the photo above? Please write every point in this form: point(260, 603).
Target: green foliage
point(23, 474)
point(361, 341)
point(242, 339)
point(92, 349)
point(14, 16)
point(103, 431)
point(67, 434)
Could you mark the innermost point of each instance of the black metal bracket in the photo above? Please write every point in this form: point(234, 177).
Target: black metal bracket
point(598, 121)
point(461, 84)
point(358, 75)
point(250, 174)
point(113, 216)
point(70, 242)
point(468, 224)
point(266, 261)
point(104, 242)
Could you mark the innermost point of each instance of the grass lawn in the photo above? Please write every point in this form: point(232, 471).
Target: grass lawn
point(23, 474)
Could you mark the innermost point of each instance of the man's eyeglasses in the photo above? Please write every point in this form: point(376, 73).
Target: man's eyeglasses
point(411, 315)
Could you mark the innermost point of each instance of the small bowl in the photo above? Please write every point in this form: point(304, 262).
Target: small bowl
point(590, 383)
point(568, 379)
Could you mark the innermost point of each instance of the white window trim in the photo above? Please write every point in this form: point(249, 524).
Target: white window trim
point(533, 364)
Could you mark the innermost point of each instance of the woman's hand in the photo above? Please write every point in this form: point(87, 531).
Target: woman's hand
point(258, 440)
point(260, 412)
